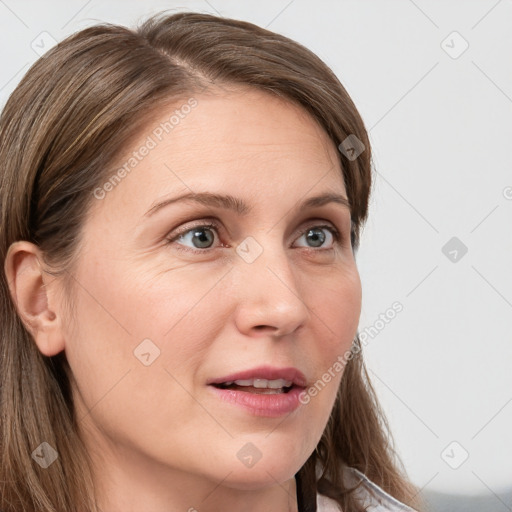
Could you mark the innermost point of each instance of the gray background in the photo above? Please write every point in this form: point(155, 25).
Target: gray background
point(439, 117)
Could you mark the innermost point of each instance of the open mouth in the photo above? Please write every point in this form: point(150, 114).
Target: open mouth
point(265, 391)
point(258, 386)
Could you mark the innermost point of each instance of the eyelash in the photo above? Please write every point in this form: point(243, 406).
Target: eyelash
point(214, 225)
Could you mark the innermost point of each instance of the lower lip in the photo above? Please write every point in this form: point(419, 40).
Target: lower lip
point(266, 405)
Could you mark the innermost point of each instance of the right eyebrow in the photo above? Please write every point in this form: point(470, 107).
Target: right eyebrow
point(227, 202)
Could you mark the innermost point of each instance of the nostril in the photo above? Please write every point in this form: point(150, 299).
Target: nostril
point(265, 327)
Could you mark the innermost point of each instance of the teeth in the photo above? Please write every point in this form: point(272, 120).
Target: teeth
point(244, 383)
point(263, 383)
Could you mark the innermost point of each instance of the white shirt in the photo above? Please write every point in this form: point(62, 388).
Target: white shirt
point(368, 494)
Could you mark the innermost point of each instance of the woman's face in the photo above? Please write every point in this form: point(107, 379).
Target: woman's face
point(187, 338)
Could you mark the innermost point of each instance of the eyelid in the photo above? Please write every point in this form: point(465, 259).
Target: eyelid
point(203, 223)
point(318, 223)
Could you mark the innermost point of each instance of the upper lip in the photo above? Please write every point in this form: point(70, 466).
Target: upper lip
point(265, 372)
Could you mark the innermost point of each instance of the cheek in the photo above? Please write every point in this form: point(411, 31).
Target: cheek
point(184, 315)
point(336, 308)
point(134, 355)
point(138, 344)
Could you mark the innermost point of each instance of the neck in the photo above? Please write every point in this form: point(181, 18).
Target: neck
point(127, 490)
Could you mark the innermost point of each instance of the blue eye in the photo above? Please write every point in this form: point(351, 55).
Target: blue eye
point(202, 237)
point(317, 236)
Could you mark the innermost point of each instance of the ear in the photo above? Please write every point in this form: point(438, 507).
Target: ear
point(32, 290)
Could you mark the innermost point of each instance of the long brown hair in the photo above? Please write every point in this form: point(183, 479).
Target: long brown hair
point(73, 113)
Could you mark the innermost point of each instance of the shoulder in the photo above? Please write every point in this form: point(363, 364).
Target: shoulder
point(368, 494)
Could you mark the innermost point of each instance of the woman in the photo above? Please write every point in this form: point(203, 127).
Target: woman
point(181, 207)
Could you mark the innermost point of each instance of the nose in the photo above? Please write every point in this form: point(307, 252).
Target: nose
point(269, 296)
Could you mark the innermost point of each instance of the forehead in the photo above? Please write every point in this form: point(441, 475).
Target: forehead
point(241, 121)
point(246, 142)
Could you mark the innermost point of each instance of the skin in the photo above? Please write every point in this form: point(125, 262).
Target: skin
point(158, 437)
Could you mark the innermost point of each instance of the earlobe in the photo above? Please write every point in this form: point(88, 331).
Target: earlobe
point(32, 292)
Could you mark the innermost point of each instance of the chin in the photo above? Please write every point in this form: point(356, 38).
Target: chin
point(252, 469)
point(260, 476)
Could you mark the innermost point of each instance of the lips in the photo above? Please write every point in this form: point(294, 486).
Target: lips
point(263, 391)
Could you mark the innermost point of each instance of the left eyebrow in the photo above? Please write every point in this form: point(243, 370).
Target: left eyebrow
point(240, 207)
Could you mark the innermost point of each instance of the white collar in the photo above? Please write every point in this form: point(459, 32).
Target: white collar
point(368, 494)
